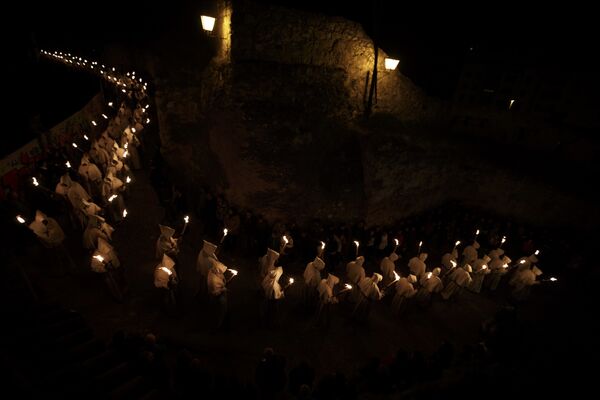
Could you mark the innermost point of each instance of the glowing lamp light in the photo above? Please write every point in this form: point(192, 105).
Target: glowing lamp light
point(322, 245)
point(208, 23)
point(20, 219)
point(391, 63)
point(124, 213)
point(167, 270)
point(553, 279)
point(186, 219)
point(99, 258)
point(35, 181)
point(128, 179)
point(111, 198)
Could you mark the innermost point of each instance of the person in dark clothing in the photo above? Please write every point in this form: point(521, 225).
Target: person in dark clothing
point(270, 374)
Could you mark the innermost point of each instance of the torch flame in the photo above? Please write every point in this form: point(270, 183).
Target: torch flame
point(186, 219)
point(99, 258)
point(167, 270)
point(20, 219)
point(124, 213)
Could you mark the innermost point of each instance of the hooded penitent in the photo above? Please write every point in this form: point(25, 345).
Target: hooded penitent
point(107, 252)
point(205, 257)
point(369, 288)
point(88, 170)
point(388, 267)
point(470, 252)
point(312, 272)
point(47, 230)
point(355, 271)
point(164, 272)
point(326, 288)
point(271, 285)
point(165, 242)
point(216, 278)
point(267, 262)
point(417, 265)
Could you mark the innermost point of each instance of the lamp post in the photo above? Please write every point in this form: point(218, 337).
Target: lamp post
point(208, 24)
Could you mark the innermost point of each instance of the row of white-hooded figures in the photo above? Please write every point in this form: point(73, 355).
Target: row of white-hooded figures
point(105, 173)
point(420, 283)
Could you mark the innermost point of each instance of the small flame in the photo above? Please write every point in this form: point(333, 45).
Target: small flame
point(74, 144)
point(113, 68)
point(291, 280)
point(147, 105)
point(553, 279)
point(128, 180)
point(86, 137)
point(537, 252)
point(20, 219)
point(104, 116)
point(111, 198)
point(125, 154)
point(429, 275)
point(348, 286)
point(503, 239)
point(484, 266)
point(68, 164)
point(94, 123)
point(186, 219)
point(233, 271)
point(110, 103)
point(35, 181)
point(125, 146)
point(453, 263)
point(322, 245)
point(133, 130)
point(396, 241)
point(356, 243)
point(477, 233)
point(124, 213)
point(123, 90)
point(99, 258)
point(285, 239)
point(420, 243)
point(167, 270)
point(505, 266)
point(522, 262)
point(225, 232)
point(147, 120)
point(396, 276)
point(456, 243)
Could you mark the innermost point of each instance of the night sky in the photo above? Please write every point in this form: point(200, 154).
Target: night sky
point(432, 41)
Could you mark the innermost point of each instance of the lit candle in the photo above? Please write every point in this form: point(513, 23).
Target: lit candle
point(104, 116)
point(348, 287)
point(124, 213)
point(123, 90)
point(111, 198)
point(420, 244)
point(484, 267)
point(35, 181)
point(453, 263)
point(86, 137)
point(128, 179)
point(147, 105)
point(125, 154)
point(537, 252)
point(133, 130)
point(225, 231)
point(147, 120)
point(553, 279)
point(503, 240)
point(322, 245)
point(522, 262)
point(186, 219)
point(233, 271)
point(456, 243)
point(357, 246)
point(396, 245)
point(125, 146)
point(20, 219)
point(99, 258)
point(68, 164)
point(396, 276)
point(94, 123)
point(476, 233)
point(505, 266)
point(429, 275)
point(110, 103)
point(291, 280)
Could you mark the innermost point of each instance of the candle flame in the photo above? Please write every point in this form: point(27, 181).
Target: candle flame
point(186, 219)
point(124, 213)
point(128, 179)
point(291, 280)
point(225, 232)
point(110, 103)
point(68, 164)
point(74, 144)
point(99, 258)
point(503, 239)
point(167, 270)
point(420, 243)
point(125, 154)
point(348, 286)
point(553, 279)
point(453, 263)
point(147, 105)
point(537, 252)
point(429, 275)
point(133, 130)
point(505, 266)
point(147, 120)
point(111, 198)
point(104, 116)
point(35, 181)
point(356, 243)
point(456, 243)
point(233, 271)
point(86, 137)
point(94, 123)
point(484, 266)
point(125, 146)
point(20, 219)
point(396, 276)
point(123, 90)
point(396, 241)
point(285, 239)
point(322, 245)
point(522, 262)
point(477, 233)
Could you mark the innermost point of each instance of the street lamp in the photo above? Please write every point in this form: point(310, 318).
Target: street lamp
point(208, 23)
point(391, 63)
